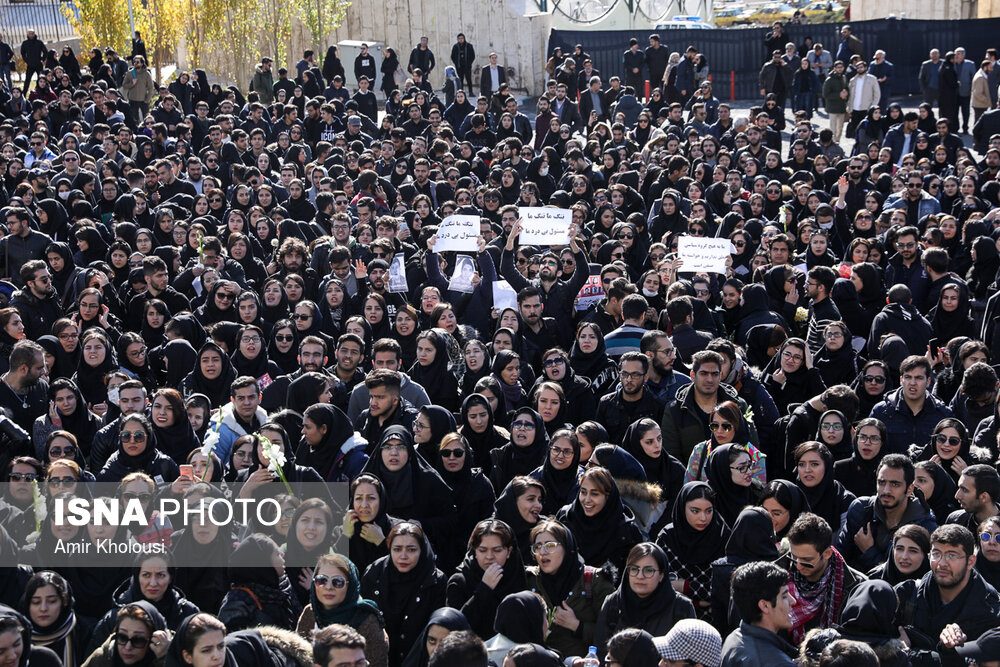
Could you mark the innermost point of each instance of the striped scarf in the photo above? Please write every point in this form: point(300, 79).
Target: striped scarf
point(821, 598)
point(63, 633)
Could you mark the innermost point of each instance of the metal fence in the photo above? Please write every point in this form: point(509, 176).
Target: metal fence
point(45, 17)
point(739, 53)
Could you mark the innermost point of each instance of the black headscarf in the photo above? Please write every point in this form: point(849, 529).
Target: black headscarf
point(730, 498)
point(826, 498)
point(696, 547)
point(91, 379)
point(414, 479)
point(521, 616)
point(218, 389)
point(515, 460)
point(597, 534)
point(794, 501)
point(323, 458)
point(869, 612)
point(942, 502)
point(447, 617)
point(481, 443)
point(637, 611)
point(442, 423)
point(560, 583)
point(665, 470)
point(180, 359)
point(752, 538)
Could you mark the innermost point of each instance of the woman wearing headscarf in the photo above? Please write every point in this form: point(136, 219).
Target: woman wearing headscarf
point(258, 595)
point(414, 489)
point(982, 275)
point(696, 537)
point(68, 411)
point(604, 526)
point(329, 445)
point(139, 619)
point(949, 446)
point(367, 522)
point(815, 476)
point(520, 506)
point(857, 473)
point(53, 624)
point(567, 584)
point(836, 360)
point(250, 358)
point(589, 358)
point(560, 474)
point(790, 377)
point(758, 325)
point(471, 490)
point(752, 540)
point(432, 423)
point(938, 488)
point(506, 369)
point(433, 370)
point(492, 570)
point(172, 426)
point(868, 617)
point(406, 586)
point(644, 599)
point(519, 620)
point(212, 375)
point(335, 597)
point(784, 501)
point(310, 536)
point(526, 450)
point(951, 317)
point(729, 470)
point(210, 547)
point(283, 345)
point(91, 246)
point(137, 452)
point(96, 361)
point(644, 440)
point(442, 622)
point(155, 315)
point(908, 558)
point(178, 359)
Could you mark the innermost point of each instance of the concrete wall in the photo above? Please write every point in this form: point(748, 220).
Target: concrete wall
point(863, 10)
point(490, 25)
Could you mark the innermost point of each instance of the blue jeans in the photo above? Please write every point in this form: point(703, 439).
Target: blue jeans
point(5, 76)
point(803, 102)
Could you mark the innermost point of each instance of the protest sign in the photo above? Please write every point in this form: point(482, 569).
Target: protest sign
point(700, 254)
point(591, 292)
point(397, 274)
point(504, 295)
point(458, 232)
point(545, 226)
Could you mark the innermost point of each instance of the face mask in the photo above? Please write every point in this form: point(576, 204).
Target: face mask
point(64, 195)
point(649, 292)
point(113, 395)
point(543, 171)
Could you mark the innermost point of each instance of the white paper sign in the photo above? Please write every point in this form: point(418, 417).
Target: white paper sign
point(545, 226)
point(700, 254)
point(591, 293)
point(397, 274)
point(458, 232)
point(504, 296)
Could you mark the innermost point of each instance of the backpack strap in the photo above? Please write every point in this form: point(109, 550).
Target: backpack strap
point(588, 580)
point(249, 592)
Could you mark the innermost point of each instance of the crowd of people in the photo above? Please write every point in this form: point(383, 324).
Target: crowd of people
point(210, 291)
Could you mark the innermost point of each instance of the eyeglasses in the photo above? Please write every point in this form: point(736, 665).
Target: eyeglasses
point(791, 357)
point(832, 427)
point(715, 426)
point(284, 338)
point(914, 185)
point(62, 481)
point(743, 469)
point(523, 425)
point(133, 436)
point(626, 375)
point(392, 447)
point(69, 336)
point(875, 379)
point(556, 361)
point(23, 477)
point(952, 440)
point(833, 335)
point(544, 547)
point(702, 292)
point(658, 257)
point(774, 192)
point(452, 453)
point(330, 582)
point(906, 246)
point(621, 237)
point(60, 452)
point(250, 339)
point(986, 537)
point(739, 244)
point(642, 572)
point(871, 439)
point(949, 557)
point(561, 452)
point(137, 641)
point(141, 497)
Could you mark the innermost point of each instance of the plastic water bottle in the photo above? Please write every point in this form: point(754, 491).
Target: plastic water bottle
point(592, 660)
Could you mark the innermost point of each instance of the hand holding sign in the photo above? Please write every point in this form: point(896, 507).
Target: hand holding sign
point(458, 232)
point(545, 226)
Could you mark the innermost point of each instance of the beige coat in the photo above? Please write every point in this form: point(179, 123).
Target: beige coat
point(980, 90)
point(139, 86)
point(870, 93)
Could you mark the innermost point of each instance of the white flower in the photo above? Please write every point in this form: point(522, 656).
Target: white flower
point(274, 455)
point(207, 449)
point(41, 511)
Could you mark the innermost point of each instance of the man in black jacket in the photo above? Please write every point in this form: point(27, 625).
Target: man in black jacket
point(630, 401)
point(37, 302)
point(633, 61)
point(33, 55)
point(952, 592)
point(656, 61)
point(422, 58)
point(21, 245)
point(462, 57)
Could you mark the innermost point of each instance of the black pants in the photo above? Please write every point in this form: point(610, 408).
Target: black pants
point(466, 75)
point(852, 124)
point(31, 69)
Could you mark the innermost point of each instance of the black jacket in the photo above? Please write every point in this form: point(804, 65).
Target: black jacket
point(37, 314)
point(924, 616)
point(616, 414)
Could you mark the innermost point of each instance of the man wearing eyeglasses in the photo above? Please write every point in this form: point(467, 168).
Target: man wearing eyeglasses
point(866, 537)
point(952, 593)
point(630, 401)
point(913, 199)
point(905, 267)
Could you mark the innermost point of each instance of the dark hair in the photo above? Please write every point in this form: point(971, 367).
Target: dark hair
point(978, 380)
point(811, 529)
point(200, 625)
point(46, 578)
point(492, 527)
point(825, 276)
point(753, 582)
point(899, 462)
point(335, 636)
point(954, 535)
point(383, 377)
point(463, 647)
point(848, 653)
point(842, 398)
point(986, 478)
point(679, 309)
point(635, 356)
point(913, 362)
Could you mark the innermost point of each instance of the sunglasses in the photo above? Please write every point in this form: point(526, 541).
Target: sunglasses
point(133, 436)
point(986, 537)
point(141, 497)
point(284, 338)
point(59, 452)
point(23, 477)
point(137, 641)
point(330, 582)
point(725, 426)
point(452, 453)
point(301, 316)
point(952, 440)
